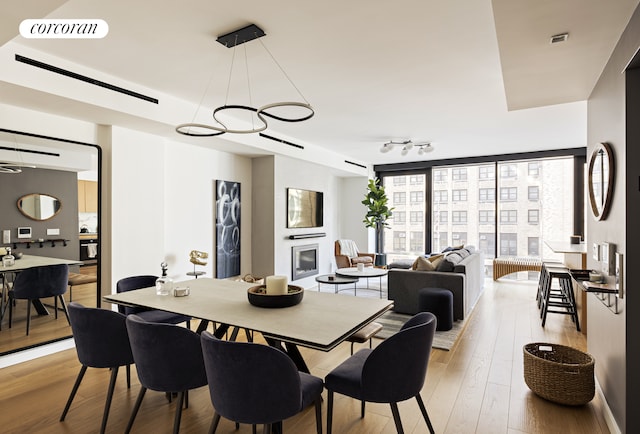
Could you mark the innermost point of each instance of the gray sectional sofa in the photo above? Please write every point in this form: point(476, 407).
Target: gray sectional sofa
point(466, 282)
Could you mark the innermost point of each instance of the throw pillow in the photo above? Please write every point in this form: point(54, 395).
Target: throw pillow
point(436, 259)
point(423, 264)
point(445, 266)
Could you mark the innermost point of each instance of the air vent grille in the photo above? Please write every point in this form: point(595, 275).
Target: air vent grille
point(84, 78)
point(559, 38)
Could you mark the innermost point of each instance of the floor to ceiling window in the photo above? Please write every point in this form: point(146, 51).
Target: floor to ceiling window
point(503, 208)
point(406, 237)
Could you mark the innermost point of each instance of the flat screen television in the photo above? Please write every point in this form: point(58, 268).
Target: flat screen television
point(304, 208)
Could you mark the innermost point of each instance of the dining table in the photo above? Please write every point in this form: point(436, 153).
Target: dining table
point(24, 262)
point(321, 321)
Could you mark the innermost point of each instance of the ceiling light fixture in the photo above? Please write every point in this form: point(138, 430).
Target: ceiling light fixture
point(259, 114)
point(407, 145)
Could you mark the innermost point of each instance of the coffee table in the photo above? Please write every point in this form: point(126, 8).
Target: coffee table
point(366, 273)
point(332, 279)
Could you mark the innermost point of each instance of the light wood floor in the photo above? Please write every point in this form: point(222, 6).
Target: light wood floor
point(477, 387)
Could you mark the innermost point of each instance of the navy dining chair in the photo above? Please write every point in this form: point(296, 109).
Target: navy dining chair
point(34, 283)
point(101, 341)
point(392, 372)
point(168, 359)
point(151, 315)
point(256, 384)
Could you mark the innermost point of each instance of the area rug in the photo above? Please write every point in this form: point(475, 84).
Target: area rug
point(444, 340)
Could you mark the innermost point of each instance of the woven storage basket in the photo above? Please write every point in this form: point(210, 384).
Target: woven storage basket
point(559, 373)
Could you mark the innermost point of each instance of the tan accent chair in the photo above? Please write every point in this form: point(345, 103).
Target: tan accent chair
point(344, 261)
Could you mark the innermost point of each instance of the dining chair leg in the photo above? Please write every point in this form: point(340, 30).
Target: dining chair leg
point(64, 308)
point(76, 385)
point(128, 376)
point(266, 429)
point(186, 399)
point(423, 409)
point(319, 415)
point(362, 404)
point(28, 316)
point(396, 417)
point(136, 407)
point(107, 404)
point(253, 428)
point(329, 411)
point(179, 404)
point(214, 422)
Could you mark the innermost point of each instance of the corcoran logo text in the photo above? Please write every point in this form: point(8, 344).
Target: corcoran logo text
point(64, 29)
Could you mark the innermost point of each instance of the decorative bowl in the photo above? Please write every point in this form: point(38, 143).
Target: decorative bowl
point(258, 297)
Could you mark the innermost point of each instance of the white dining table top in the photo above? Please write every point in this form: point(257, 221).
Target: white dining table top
point(29, 261)
point(320, 321)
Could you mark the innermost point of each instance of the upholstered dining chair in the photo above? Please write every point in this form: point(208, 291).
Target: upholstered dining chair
point(168, 359)
point(392, 372)
point(40, 282)
point(101, 341)
point(348, 255)
point(151, 315)
point(256, 384)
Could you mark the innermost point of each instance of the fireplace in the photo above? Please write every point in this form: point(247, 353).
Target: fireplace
point(304, 261)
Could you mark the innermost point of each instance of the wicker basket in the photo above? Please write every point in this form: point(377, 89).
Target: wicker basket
point(559, 373)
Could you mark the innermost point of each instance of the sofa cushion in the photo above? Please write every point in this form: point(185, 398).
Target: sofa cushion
point(452, 248)
point(445, 266)
point(433, 259)
point(423, 264)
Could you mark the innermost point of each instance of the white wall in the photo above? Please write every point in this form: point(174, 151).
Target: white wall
point(353, 191)
point(163, 204)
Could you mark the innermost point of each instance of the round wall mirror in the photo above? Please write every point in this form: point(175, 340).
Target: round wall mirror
point(601, 177)
point(38, 206)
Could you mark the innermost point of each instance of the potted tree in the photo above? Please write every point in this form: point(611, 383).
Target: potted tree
point(378, 212)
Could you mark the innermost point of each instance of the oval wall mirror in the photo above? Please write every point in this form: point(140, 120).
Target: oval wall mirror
point(601, 177)
point(38, 206)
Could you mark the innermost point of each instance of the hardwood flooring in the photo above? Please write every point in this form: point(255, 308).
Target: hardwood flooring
point(477, 387)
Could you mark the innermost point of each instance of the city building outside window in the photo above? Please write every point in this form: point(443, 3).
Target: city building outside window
point(533, 246)
point(416, 180)
point(399, 181)
point(533, 216)
point(416, 217)
point(508, 244)
point(487, 172)
point(508, 216)
point(458, 217)
point(399, 241)
point(399, 198)
point(458, 238)
point(508, 194)
point(399, 217)
point(416, 197)
point(486, 216)
point(441, 216)
point(487, 195)
point(416, 241)
point(441, 196)
point(487, 244)
point(533, 169)
point(459, 174)
point(459, 195)
point(508, 171)
point(534, 193)
point(439, 175)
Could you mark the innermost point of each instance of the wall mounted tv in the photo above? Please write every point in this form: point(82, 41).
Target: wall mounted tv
point(304, 208)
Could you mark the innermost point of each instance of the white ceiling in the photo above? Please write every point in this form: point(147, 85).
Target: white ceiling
point(473, 77)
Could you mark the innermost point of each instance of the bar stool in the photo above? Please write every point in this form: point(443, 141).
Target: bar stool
point(561, 297)
point(542, 280)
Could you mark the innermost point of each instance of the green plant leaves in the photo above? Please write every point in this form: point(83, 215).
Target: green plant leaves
point(376, 202)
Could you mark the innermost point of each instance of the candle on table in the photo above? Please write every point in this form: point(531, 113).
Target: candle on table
point(276, 285)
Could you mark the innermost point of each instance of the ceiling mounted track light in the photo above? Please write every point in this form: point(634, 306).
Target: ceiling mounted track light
point(258, 115)
point(406, 146)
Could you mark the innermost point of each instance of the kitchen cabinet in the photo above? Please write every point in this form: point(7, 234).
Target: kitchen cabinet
point(87, 196)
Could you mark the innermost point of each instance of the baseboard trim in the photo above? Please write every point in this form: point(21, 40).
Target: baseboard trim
point(608, 415)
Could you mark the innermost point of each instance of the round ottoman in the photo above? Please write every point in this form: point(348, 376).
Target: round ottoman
point(438, 301)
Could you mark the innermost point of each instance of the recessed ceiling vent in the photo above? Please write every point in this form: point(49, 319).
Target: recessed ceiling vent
point(562, 37)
